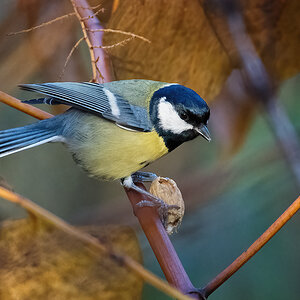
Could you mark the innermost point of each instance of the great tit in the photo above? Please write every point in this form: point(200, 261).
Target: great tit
point(114, 129)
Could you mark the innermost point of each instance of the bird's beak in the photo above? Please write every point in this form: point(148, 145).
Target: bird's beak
point(203, 130)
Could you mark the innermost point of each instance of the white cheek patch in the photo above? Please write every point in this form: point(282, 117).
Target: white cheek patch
point(112, 102)
point(169, 118)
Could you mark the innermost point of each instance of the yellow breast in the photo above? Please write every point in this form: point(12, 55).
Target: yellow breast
point(110, 152)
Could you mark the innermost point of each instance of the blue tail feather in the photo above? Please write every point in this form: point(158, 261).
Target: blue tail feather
point(10, 136)
point(21, 138)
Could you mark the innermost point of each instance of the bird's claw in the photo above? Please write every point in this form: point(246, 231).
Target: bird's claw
point(162, 208)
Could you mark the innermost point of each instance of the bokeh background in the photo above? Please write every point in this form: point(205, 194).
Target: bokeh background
point(234, 187)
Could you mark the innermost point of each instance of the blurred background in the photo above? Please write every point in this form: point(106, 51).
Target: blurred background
point(233, 187)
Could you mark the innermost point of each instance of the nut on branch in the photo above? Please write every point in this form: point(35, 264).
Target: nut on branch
point(167, 190)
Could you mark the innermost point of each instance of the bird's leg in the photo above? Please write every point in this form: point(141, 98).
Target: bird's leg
point(128, 182)
point(143, 177)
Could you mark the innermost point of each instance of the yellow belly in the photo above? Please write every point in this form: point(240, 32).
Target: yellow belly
point(109, 152)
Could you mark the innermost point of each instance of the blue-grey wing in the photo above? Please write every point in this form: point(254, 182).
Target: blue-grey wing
point(93, 98)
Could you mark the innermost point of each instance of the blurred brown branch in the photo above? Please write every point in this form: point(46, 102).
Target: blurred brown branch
point(256, 81)
point(26, 108)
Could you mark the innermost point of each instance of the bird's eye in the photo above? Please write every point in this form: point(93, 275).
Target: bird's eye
point(183, 116)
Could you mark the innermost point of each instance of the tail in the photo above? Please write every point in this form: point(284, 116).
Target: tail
point(21, 138)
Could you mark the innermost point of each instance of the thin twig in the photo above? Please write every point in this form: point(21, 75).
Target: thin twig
point(121, 32)
point(121, 43)
point(54, 20)
point(43, 24)
point(26, 108)
point(93, 242)
point(93, 14)
point(253, 249)
point(69, 56)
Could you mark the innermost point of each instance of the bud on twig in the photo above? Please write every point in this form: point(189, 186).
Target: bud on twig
point(166, 189)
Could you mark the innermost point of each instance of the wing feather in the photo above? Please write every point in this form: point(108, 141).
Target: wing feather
point(93, 98)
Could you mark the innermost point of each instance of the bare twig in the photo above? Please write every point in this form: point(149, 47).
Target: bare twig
point(121, 32)
point(69, 56)
point(93, 14)
point(121, 43)
point(92, 242)
point(43, 24)
point(253, 249)
point(26, 108)
point(53, 21)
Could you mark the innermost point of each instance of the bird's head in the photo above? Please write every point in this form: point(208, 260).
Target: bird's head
point(179, 114)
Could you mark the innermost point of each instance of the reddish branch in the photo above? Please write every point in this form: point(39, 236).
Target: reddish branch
point(162, 246)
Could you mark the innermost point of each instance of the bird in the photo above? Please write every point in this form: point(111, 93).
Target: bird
point(114, 129)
